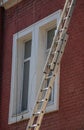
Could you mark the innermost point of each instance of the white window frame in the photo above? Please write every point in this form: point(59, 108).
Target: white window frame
point(38, 33)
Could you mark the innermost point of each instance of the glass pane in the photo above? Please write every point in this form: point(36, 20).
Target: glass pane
point(50, 35)
point(27, 49)
point(51, 98)
point(25, 86)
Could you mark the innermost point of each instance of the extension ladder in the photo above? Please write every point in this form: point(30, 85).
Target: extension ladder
point(51, 66)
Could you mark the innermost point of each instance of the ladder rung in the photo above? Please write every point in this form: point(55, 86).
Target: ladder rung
point(57, 41)
point(61, 30)
point(37, 113)
point(69, 6)
point(49, 65)
point(44, 89)
point(54, 52)
point(48, 77)
point(34, 125)
point(65, 18)
point(41, 101)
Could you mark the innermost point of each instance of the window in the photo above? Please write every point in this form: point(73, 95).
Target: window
point(30, 50)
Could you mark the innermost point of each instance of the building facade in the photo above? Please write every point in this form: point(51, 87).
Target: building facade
point(27, 28)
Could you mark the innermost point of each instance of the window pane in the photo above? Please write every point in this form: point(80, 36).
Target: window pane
point(27, 49)
point(51, 98)
point(50, 35)
point(25, 86)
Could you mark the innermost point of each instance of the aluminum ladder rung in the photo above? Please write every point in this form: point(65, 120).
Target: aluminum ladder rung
point(36, 113)
point(48, 77)
point(56, 41)
point(54, 52)
point(44, 89)
point(69, 6)
point(61, 30)
point(65, 18)
point(32, 126)
point(40, 101)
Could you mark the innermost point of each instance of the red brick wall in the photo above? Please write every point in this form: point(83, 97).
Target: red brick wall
point(1, 37)
point(1, 50)
point(71, 113)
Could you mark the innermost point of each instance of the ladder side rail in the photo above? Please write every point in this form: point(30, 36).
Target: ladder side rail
point(51, 84)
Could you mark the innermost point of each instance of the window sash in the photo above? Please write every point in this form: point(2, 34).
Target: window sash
point(24, 102)
point(26, 70)
point(50, 35)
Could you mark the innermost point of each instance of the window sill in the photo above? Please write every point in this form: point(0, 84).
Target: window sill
point(22, 113)
point(26, 115)
point(19, 117)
